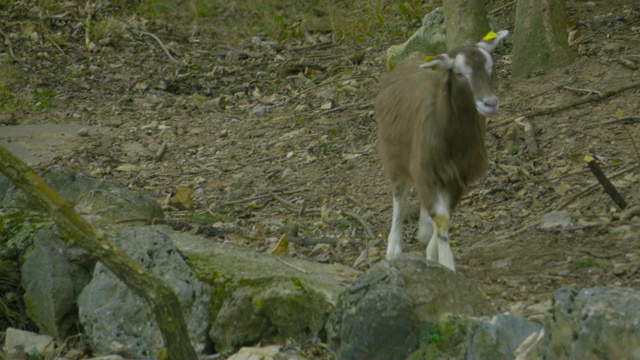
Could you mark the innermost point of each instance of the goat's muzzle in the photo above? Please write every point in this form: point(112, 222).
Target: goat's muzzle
point(488, 106)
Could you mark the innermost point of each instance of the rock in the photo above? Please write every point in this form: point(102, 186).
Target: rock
point(256, 353)
point(99, 201)
point(428, 40)
point(118, 322)
point(556, 220)
point(17, 229)
point(464, 337)
point(259, 296)
point(52, 284)
point(19, 344)
point(599, 322)
point(386, 312)
point(260, 110)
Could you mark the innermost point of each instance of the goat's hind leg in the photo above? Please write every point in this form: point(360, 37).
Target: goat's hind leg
point(439, 245)
point(425, 233)
point(400, 194)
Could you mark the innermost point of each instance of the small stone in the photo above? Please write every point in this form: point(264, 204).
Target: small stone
point(260, 110)
point(556, 220)
point(287, 173)
point(84, 132)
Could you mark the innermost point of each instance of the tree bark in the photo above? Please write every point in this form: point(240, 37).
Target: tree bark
point(161, 299)
point(540, 36)
point(465, 22)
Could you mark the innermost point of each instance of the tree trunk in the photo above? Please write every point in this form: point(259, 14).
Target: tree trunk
point(159, 297)
point(465, 22)
point(540, 36)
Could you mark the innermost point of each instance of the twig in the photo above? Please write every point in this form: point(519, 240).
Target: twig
point(339, 108)
point(630, 212)
point(502, 7)
point(54, 44)
point(258, 197)
point(363, 223)
point(622, 119)
point(553, 110)
point(291, 265)
point(158, 155)
point(166, 51)
point(564, 204)
point(606, 184)
point(588, 91)
point(308, 241)
point(348, 213)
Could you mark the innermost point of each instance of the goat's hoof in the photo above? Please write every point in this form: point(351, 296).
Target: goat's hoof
point(393, 254)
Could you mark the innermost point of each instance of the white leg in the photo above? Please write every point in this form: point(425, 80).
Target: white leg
point(441, 233)
point(425, 233)
point(400, 193)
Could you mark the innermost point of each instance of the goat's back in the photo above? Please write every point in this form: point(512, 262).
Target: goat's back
point(420, 137)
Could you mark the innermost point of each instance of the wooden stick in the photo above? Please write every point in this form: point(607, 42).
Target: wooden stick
point(605, 95)
point(162, 301)
point(608, 186)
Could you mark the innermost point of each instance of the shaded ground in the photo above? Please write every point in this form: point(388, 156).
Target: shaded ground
point(239, 115)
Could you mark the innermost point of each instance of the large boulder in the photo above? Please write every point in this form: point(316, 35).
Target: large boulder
point(600, 322)
point(260, 296)
point(52, 283)
point(428, 40)
point(394, 305)
point(99, 201)
point(116, 321)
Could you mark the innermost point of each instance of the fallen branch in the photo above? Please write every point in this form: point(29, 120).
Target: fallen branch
point(162, 301)
point(606, 184)
point(605, 95)
point(563, 205)
point(347, 213)
point(166, 51)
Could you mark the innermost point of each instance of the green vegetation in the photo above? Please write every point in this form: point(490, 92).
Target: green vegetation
point(43, 98)
point(359, 21)
point(586, 263)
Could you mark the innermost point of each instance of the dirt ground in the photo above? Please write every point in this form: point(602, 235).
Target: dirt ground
point(223, 122)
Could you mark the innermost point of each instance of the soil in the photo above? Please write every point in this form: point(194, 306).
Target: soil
point(219, 123)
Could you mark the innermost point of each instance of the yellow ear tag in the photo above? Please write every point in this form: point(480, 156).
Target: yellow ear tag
point(490, 36)
point(429, 58)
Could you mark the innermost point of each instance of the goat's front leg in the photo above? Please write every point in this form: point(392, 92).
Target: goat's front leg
point(400, 194)
point(439, 245)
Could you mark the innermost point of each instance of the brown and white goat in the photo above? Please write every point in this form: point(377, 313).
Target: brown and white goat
point(431, 128)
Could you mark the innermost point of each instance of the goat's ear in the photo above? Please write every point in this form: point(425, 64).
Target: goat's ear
point(491, 40)
point(442, 61)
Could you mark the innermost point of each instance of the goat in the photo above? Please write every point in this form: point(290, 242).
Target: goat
point(431, 133)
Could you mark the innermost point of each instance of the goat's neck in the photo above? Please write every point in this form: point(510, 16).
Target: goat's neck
point(461, 104)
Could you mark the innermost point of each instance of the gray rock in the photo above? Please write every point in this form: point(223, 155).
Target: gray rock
point(17, 229)
point(386, 312)
point(52, 283)
point(556, 220)
point(118, 322)
point(258, 296)
point(19, 344)
point(464, 337)
point(600, 322)
point(428, 40)
point(100, 201)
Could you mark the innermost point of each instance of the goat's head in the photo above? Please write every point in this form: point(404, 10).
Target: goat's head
point(470, 67)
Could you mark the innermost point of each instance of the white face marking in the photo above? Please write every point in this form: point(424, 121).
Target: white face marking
point(460, 66)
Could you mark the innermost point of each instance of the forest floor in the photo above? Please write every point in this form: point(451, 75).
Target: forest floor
point(261, 118)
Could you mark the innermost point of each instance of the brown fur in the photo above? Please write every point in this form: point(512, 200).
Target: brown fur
point(430, 133)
